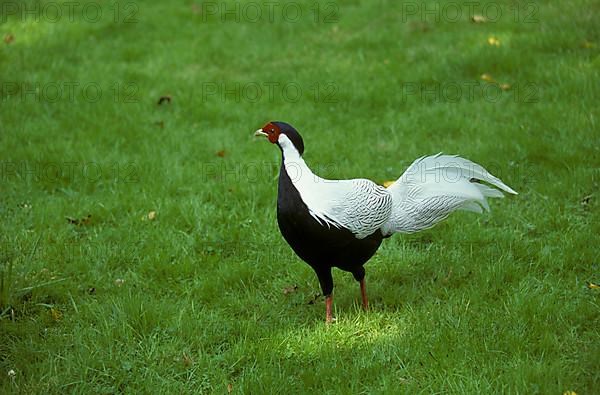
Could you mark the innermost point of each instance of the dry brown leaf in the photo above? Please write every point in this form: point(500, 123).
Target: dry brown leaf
point(290, 289)
point(221, 153)
point(56, 314)
point(9, 38)
point(314, 299)
point(229, 388)
point(487, 77)
point(163, 99)
point(478, 19)
point(493, 41)
point(80, 221)
point(593, 286)
point(447, 278)
point(586, 200)
point(587, 44)
point(186, 359)
point(152, 215)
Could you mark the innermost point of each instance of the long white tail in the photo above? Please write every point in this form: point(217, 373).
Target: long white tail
point(435, 186)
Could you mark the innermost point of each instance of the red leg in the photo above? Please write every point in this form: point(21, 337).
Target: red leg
point(328, 307)
point(363, 293)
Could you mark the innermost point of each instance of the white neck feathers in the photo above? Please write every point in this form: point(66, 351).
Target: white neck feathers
point(295, 166)
point(316, 192)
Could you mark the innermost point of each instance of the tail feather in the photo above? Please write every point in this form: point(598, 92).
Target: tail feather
point(435, 186)
point(472, 206)
point(449, 165)
point(489, 192)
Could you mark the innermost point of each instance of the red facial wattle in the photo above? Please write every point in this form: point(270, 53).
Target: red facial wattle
point(273, 131)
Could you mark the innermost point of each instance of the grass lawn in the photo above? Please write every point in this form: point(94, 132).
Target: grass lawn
point(139, 250)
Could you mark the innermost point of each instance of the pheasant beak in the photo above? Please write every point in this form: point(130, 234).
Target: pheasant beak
point(260, 132)
point(271, 131)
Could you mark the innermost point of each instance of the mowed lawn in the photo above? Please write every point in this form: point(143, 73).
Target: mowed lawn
point(139, 246)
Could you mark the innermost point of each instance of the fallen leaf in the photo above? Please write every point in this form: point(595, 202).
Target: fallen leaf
point(290, 289)
point(221, 153)
point(586, 200)
point(91, 290)
point(585, 44)
point(478, 19)
point(593, 286)
point(229, 388)
point(387, 184)
point(569, 393)
point(314, 299)
point(447, 278)
point(152, 215)
point(186, 359)
point(79, 222)
point(9, 38)
point(505, 87)
point(493, 41)
point(419, 27)
point(56, 314)
point(486, 77)
point(166, 98)
point(119, 282)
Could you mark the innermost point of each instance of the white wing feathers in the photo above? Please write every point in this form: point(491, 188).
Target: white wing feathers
point(359, 205)
point(428, 192)
point(435, 186)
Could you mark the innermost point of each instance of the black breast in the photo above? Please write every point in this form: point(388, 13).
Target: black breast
point(319, 245)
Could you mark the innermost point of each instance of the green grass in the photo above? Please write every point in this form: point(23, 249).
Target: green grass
point(193, 300)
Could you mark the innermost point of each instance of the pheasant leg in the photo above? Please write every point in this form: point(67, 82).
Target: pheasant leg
point(328, 308)
point(363, 293)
